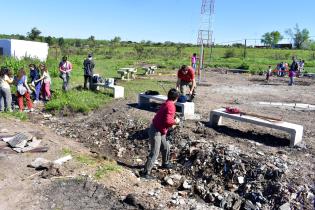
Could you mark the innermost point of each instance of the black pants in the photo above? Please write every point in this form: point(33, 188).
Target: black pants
point(87, 79)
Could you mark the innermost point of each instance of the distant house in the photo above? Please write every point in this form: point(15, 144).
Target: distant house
point(284, 46)
point(21, 48)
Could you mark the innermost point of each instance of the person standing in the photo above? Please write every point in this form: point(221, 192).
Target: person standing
point(268, 73)
point(65, 68)
point(293, 69)
point(23, 91)
point(88, 66)
point(186, 81)
point(194, 59)
point(5, 90)
point(34, 75)
point(162, 121)
point(45, 80)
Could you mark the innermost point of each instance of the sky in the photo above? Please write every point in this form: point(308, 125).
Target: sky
point(154, 20)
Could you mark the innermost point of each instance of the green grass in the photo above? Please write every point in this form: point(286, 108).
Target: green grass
point(19, 115)
point(106, 168)
point(77, 101)
point(108, 60)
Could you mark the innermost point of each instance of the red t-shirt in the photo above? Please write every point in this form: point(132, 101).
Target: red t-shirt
point(189, 77)
point(164, 118)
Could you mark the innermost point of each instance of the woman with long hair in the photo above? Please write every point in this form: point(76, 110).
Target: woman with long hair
point(23, 91)
point(46, 80)
point(5, 90)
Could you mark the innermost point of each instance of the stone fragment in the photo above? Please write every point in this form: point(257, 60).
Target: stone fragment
point(169, 180)
point(285, 206)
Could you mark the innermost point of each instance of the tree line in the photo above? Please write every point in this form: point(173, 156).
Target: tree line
point(300, 37)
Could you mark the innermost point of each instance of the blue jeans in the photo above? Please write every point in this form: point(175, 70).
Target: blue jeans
point(37, 90)
point(291, 82)
point(194, 65)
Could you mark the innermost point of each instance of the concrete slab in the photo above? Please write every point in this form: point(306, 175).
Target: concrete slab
point(118, 91)
point(296, 131)
point(187, 109)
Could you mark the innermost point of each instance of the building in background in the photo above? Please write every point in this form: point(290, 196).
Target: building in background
point(21, 48)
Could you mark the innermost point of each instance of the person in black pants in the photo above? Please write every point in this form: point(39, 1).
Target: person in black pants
point(88, 66)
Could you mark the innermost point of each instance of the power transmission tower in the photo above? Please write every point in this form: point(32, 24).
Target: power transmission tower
point(205, 32)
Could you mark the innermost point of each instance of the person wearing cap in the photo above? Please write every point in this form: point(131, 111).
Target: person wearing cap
point(186, 82)
point(65, 68)
point(88, 67)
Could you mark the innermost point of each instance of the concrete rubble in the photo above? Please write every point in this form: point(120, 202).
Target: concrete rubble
point(221, 175)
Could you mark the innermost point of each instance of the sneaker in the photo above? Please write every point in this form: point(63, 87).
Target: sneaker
point(145, 175)
point(31, 110)
point(35, 102)
point(167, 166)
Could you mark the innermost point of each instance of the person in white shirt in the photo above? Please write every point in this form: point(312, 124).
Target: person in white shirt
point(5, 90)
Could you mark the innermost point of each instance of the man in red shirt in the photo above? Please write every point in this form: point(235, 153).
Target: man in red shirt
point(162, 121)
point(186, 81)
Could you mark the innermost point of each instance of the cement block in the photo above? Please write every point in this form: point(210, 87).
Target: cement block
point(296, 131)
point(187, 109)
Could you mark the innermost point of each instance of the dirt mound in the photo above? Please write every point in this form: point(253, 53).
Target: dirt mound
point(80, 194)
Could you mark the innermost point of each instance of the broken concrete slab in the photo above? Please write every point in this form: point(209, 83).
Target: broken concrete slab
point(18, 141)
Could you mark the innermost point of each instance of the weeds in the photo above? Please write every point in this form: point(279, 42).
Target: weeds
point(106, 168)
point(19, 115)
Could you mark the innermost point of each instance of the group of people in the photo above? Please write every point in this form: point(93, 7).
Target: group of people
point(35, 86)
point(39, 86)
point(294, 70)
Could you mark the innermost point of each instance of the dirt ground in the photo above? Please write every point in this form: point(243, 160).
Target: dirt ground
point(118, 132)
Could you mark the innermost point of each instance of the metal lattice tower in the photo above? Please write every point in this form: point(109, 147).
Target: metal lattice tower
point(205, 31)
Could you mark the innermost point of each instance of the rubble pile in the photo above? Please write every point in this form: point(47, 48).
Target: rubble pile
point(229, 178)
point(222, 175)
point(115, 133)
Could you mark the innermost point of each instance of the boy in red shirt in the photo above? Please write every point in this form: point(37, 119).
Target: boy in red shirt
point(186, 81)
point(163, 120)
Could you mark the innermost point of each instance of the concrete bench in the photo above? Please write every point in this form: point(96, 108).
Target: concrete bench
point(149, 69)
point(187, 109)
point(296, 131)
point(118, 91)
point(129, 72)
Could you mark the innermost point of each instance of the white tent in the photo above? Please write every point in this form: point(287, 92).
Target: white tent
point(21, 48)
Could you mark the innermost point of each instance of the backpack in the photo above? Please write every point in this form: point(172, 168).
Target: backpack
point(21, 89)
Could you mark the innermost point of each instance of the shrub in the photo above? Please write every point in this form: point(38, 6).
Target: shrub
point(230, 53)
point(243, 66)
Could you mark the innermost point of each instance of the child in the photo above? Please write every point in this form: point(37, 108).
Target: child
point(5, 90)
point(163, 120)
point(23, 90)
point(268, 73)
point(34, 75)
point(194, 61)
point(46, 80)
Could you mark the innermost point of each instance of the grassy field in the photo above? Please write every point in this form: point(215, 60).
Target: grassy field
point(108, 60)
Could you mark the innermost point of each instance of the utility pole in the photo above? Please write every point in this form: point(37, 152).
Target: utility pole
point(245, 48)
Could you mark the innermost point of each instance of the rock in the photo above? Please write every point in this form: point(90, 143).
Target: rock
point(176, 176)
point(131, 200)
point(240, 179)
point(249, 205)
point(18, 141)
point(285, 206)
point(186, 185)
point(169, 181)
point(39, 163)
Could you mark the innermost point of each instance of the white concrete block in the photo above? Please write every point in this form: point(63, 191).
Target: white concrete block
point(296, 131)
point(187, 109)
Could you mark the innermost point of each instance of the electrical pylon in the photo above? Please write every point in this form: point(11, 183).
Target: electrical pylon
point(205, 32)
